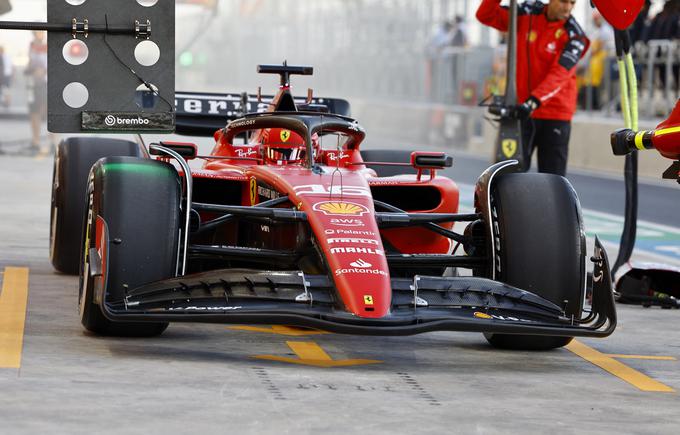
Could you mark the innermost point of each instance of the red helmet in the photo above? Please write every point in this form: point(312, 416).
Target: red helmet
point(282, 146)
point(619, 13)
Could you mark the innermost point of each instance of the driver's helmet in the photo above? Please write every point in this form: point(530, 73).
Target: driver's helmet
point(282, 146)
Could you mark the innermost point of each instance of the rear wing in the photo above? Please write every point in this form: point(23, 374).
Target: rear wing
point(201, 114)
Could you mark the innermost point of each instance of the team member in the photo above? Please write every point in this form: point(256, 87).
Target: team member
point(549, 45)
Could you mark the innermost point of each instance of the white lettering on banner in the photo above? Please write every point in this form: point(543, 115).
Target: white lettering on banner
point(351, 240)
point(215, 107)
point(318, 189)
point(193, 106)
point(357, 251)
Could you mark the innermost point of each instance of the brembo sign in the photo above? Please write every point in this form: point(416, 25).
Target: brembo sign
point(115, 121)
point(126, 121)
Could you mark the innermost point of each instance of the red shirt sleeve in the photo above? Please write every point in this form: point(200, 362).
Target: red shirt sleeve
point(492, 14)
point(552, 83)
point(561, 69)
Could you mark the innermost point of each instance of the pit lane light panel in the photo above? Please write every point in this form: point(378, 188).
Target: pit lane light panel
point(115, 72)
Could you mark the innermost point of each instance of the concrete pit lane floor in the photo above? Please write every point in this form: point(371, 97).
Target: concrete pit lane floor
point(55, 378)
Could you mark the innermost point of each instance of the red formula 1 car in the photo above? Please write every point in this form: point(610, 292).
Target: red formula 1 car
point(286, 222)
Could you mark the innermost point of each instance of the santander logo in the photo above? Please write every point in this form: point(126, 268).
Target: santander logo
point(361, 264)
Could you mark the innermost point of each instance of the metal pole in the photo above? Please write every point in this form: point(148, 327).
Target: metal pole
point(651, 61)
point(511, 79)
point(52, 27)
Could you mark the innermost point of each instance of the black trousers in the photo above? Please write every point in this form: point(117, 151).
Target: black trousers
point(551, 140)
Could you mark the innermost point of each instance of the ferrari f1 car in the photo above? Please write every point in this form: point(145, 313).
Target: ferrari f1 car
point(288, 221)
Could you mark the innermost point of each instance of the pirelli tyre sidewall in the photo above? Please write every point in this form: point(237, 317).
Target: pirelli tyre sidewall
point(539, 246)
point(72, 162)
point(138, 203)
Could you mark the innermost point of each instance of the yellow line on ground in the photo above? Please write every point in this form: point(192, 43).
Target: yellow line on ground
point(309, 351)
point(311, 354)
point(618, 369)
point(13, 301)
point(281, 330)
point(657, 358)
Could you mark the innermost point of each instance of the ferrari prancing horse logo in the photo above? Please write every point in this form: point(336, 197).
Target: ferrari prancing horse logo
point(509, 147)
point(285, 135)
point(253, 191)
point(368, 300)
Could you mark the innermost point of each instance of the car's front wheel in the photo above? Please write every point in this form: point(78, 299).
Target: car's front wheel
point(540, 247)
point(132, 225)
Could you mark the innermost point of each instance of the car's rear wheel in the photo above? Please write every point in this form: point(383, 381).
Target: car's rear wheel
point(541, 247)
point(73, 160)
point(133, 223)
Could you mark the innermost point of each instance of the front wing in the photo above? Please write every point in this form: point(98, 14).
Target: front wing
point(423, 304)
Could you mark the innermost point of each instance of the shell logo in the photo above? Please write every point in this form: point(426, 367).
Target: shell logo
point(338, 208)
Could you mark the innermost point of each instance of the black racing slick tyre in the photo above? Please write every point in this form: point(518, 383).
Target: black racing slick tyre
point(388, 156)
point(132, 223)
point(537, 220)
point(72, 162)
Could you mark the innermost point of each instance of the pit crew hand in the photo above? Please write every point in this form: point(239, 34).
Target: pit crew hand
point(525, 109)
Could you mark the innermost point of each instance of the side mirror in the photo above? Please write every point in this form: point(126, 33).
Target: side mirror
point(428, 160)
point(431, 161)
point(187, 150)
